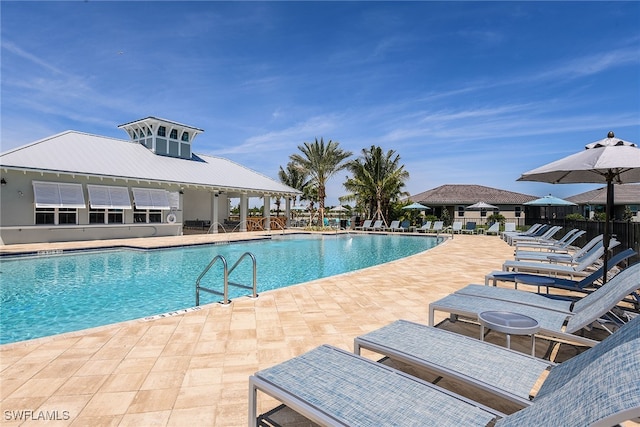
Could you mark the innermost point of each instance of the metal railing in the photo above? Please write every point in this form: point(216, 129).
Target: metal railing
point(226, 273)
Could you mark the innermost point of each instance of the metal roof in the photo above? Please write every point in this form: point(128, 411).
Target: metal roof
point(459, 194)
point(73, 152)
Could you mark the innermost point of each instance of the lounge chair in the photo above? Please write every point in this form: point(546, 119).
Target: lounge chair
point(548, 234)
point(395, 226)
point(561, 257)
point(377, 226)
point(509, 228)
point(438, 226)
point(621, 285)
point(365, 225)
point(456, 227)
point(470, 228)
point(558, 282)
point(482, 365)
point(493, 229)
point(333, 387)
point(425, 228)
point(562, 244)
point(549, 268)
point(554, 323)
point(529, 232)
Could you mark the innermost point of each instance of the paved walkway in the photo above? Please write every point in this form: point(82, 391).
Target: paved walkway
point(193, 369)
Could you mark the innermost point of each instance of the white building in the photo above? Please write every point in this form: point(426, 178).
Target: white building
point(77, 186)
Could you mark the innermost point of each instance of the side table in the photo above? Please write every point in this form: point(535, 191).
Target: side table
point(510, 324)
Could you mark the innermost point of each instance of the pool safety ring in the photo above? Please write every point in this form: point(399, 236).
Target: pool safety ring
point(171, 218)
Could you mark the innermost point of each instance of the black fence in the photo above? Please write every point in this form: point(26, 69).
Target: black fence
point(626, 232)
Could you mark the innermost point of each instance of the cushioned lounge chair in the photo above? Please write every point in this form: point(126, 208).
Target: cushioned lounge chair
point(438, 226)
point(529, 232)
point(481, 364)
point(561, 283)
point(377, 225)
point(554, 323)
point(456, 227)
point(395, 226)
point(333, 387)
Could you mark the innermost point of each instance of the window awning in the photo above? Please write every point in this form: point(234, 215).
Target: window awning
point(58, 195)
point(147, 198)
point(108, 197)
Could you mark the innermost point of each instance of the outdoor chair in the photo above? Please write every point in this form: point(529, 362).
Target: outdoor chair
point(470, 228)
point(456, 227)
point(548, 234)
point(438, 226)
point(554, 322)
point(377, 226)
point(552, 244)
point(480, 364)
point(395, 226)
point(331, 387)
point(509, 227)
point(560, 257)
point(493, 229)
point(558, 282)
point(425, 228)
point(365, 225)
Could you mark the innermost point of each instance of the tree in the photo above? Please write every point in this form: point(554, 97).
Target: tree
point(320, 161)
point(295, 177)
point(377, 180)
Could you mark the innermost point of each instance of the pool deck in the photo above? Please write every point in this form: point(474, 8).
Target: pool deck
point(192, 369)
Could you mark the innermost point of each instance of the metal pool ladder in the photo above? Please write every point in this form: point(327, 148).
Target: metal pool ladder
point(227, 272)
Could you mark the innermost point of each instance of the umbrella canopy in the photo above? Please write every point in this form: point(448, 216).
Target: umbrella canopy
point(481, 206)
point(339, 208)
point(416, 206)
point(549, 200)
point(609, 160)
point(299, 208)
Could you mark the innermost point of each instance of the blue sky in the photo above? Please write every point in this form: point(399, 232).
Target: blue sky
point(464, 92)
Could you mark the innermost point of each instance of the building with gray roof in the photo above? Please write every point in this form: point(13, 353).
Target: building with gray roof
point(77, 186)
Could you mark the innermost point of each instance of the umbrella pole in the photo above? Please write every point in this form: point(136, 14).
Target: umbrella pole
point(607, 229)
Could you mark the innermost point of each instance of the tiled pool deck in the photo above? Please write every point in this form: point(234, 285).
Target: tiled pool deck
point(192, 369)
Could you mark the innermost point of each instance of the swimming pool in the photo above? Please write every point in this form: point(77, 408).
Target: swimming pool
point(47, 295)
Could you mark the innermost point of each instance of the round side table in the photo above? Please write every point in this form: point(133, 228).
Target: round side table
point(510, 324)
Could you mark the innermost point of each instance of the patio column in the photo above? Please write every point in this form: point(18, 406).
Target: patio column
point(267, 212)
point(243, 212)
point(215, 214)
point(287, 211)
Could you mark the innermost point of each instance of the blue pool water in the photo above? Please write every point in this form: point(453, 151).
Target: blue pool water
point(47, 295)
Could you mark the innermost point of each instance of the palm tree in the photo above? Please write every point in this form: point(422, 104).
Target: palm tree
point(377, 179)
point(321, 162)
point(294, 177)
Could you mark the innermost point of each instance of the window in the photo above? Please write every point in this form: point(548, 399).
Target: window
point(162, 131)
point(56, 216)
point(147, 216)
point(460, 211)
point(185, 136)
point(173, 134)
point(518, 211)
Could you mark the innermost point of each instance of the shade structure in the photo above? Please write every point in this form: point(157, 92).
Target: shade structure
point(481, 206)
point(416, 206)
point(339, 208)
point(610, 160)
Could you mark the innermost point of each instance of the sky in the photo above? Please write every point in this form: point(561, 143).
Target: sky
point(464, 92)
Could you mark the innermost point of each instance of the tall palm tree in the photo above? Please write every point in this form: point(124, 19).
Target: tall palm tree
point(321, 161)
point(377, 179)
point(294, 177)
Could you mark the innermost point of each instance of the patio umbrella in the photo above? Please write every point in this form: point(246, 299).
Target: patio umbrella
point(416, 206)
point(339, 208)
point(548, 201)
point(480, 206)
point(609, 160)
